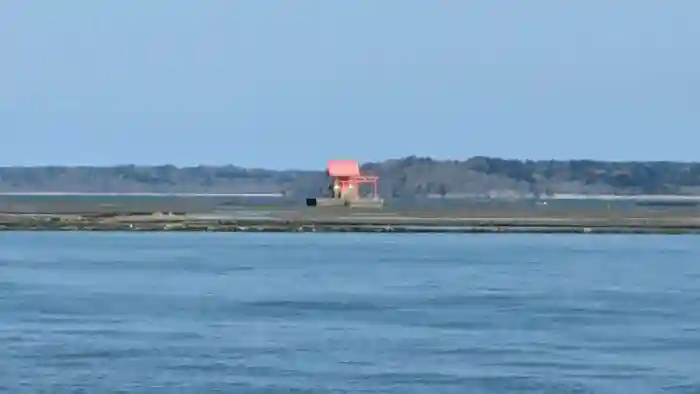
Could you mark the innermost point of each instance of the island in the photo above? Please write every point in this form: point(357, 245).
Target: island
point(478, 195)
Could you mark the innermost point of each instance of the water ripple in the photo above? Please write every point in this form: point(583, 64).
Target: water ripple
point(386, 314)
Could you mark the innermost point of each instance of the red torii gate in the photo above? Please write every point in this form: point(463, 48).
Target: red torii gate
point(347, 178)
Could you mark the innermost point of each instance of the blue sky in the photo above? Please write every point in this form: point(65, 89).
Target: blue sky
point(290, 84)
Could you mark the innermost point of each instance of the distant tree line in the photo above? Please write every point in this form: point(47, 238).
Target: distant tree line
point(400, 178)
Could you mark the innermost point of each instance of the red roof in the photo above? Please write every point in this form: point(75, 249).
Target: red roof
point(343, 168)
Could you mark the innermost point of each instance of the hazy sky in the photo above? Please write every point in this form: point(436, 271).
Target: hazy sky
point(294, 83)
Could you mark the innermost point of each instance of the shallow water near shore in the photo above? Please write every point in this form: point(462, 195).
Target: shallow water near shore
point(335, 313)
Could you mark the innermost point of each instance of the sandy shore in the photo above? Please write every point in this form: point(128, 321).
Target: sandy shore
point(214, 214)
point(320, 222)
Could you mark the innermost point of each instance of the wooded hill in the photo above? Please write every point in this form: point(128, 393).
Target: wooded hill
point(406, 177)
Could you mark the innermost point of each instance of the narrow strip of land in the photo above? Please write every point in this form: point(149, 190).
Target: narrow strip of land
point(351, 223)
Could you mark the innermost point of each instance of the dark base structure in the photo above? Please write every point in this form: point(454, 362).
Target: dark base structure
point(336, 202)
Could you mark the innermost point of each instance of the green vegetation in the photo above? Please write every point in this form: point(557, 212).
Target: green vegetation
point(404, 178)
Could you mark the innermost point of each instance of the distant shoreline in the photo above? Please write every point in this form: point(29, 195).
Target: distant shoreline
point(543, 198)
point(184, 223)
point(119, 194)
point(405, 177)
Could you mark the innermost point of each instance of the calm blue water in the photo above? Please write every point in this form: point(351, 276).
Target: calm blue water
point(336, 313)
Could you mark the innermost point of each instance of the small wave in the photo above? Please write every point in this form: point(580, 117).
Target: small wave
point(320, 306)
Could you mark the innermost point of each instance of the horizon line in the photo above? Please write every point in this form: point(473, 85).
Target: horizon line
point(145, 194)
point(314, 169)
